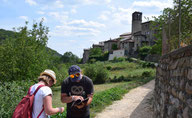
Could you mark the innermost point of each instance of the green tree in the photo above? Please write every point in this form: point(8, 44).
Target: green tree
point(144, 51)
point(95, 52)
point(25, 56)
point(157, 47)
point(114, 46)
point(69, 57)
point(169, 20)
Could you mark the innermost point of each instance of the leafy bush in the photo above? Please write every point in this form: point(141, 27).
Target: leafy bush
point(25, 56)
point(11, 94)
point(144, 51)
point(146, 74)
point(108, 67)
point(119, 59)
point(97, 72)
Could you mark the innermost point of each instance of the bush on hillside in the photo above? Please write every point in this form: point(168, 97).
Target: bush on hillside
point(147, 74)
point(97, 72)
point(119, 59)
point(144, 51)
point(11, 94)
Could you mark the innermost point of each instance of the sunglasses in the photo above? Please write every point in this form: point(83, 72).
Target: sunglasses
point(73, 75)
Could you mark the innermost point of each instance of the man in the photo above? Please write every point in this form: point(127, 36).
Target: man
point(77, 91)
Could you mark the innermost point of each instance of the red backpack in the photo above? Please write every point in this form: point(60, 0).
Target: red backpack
point(25, 107)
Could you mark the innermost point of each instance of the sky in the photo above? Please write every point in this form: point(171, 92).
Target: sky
point(75, 25)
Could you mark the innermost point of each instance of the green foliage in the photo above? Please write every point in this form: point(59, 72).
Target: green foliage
point(169, 20)
point(157, 47)
point(97, 55)
point(97, 72)
point(114, 47)
point(146, 74)
point(24, 57)
point(69, 57)
point(11, 95)
point(5, 34)
point(119, 59)
point(144, 51)
point(95, 52)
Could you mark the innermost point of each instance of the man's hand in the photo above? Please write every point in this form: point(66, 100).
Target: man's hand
point(80, 105)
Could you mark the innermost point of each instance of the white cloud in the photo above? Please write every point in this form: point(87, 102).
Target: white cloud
point(40, 12)
point(73, 11)
point(60, 16)
point(52, 5)
point(107, 1)
point(58, 4)
point(154, 3)
point(24, 18)
point(94, 2)
point(117, 15)
point(87, 23)
point(66, 30)
point(31, 2)
point(104, 15)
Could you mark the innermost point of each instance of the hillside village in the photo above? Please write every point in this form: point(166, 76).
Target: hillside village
point(127, 43)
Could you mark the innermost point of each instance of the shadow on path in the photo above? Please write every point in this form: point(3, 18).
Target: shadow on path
point(143, 109)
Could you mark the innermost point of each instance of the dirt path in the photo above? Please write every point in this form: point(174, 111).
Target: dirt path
point(133, 104)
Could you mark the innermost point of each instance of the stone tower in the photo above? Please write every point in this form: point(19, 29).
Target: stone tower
point(136, 22)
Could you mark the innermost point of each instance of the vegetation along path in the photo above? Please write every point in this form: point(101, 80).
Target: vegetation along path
point(133, 105)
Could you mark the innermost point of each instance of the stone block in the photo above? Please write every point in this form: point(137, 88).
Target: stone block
point(181, 96)
point(174, 92)
point(173, 64)
point(189, 103)
point(188, 88)
point(189, 75)
point(182, 84)
point(179, 116)
point(185, 112)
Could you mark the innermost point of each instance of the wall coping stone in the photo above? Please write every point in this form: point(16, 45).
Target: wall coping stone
point(175, 53)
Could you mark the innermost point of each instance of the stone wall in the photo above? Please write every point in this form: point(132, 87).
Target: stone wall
point(173, 85)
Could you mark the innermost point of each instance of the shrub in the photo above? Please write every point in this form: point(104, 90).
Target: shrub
point(146, 74)
point(144, 51)
point(97, 73)
point(108, 67)
point(11, 94)
point(119, 59)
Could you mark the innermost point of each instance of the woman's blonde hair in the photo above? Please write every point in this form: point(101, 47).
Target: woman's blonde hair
point(45, 78)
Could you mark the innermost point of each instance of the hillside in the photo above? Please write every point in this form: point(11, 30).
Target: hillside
point(4, 34)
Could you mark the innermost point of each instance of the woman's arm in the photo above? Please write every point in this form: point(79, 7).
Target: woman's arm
point(47, 101)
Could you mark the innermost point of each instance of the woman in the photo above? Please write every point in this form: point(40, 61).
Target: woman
point(42, 105)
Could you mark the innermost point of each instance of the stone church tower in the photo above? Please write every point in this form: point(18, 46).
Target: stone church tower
point(136, 22)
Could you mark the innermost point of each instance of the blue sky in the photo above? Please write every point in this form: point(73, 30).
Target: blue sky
point(77, 24)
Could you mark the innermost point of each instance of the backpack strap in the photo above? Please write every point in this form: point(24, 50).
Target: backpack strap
point(37, 89)
point(40, 112)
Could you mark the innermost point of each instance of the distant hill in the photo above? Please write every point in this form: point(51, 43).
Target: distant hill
point(11, 34)
point(6, 34)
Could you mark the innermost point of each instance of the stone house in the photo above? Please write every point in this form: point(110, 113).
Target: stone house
point(141, 34)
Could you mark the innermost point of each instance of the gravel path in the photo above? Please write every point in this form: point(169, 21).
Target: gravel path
point(133, 104)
